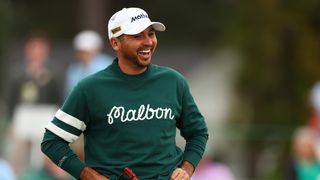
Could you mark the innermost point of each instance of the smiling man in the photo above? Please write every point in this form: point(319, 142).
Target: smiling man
point(129, 113)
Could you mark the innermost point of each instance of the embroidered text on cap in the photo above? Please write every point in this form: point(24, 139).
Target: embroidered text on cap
point(139, 17)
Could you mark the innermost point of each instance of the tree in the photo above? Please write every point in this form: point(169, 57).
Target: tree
point(280, 43)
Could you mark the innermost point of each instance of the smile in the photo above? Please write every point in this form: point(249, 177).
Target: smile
point(145, 52)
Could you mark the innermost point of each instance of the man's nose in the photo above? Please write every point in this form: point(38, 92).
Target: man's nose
point(147, 40)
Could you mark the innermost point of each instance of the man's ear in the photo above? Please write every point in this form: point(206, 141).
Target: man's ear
point(114, 43)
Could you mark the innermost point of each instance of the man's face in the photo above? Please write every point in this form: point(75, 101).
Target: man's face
point(85, 56)
point(36, 50)
point(137, 49)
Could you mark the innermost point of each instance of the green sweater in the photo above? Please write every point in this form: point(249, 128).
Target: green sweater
point(128, 121)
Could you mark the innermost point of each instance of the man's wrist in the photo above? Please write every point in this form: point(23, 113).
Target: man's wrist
point(188, 167)
point(88, 173)
point(85, 172)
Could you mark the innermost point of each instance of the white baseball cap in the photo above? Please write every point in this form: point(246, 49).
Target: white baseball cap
point(131, 21)
point(87, 40)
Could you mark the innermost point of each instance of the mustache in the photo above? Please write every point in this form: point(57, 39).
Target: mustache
point(146, 47)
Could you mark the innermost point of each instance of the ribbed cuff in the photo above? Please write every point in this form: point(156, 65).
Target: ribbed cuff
point(192, 157)
point(74, 166)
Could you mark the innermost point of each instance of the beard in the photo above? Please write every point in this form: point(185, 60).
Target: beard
point(137, 60)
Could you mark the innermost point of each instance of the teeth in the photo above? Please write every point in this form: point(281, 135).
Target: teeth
point(145, 51)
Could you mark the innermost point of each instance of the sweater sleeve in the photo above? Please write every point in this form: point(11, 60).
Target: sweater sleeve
point(58, 150)
point(67, 125)
point(193, 128)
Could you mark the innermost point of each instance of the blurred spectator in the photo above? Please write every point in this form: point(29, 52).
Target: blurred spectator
point(314, 119)
point(49, 171)
point(32, 97)
point(34, 83)
point(304, 165)
point(6, 172)
point(88, 45)
point(209, 169)
point(315, 106)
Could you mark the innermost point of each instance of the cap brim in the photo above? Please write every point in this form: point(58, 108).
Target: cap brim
point(156, 26)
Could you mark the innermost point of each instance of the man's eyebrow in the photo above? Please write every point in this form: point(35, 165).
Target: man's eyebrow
point(152, 29)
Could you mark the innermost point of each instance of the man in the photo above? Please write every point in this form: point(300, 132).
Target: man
point(32, 86)
point(129, 112)
point(34, 81)
point(89, 58)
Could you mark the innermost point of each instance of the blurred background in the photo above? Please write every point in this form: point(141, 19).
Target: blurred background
point(253, 68)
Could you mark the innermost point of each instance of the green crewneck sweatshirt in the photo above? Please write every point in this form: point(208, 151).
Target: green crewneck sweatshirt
point(128, 121)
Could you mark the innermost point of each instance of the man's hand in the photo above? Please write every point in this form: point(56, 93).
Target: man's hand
point(180, 174)
point(184, 172)
point(88, 174)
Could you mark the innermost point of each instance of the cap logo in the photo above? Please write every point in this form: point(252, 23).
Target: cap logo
point(138, 17)
point(115, 30)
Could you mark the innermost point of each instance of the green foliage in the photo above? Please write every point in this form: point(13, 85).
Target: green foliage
point(280, 49)
point(57, 18)
point(6, 14)
point(280, 45)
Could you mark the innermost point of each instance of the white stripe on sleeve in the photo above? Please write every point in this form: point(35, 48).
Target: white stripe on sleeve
point(61, 133)
point(72, 121)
